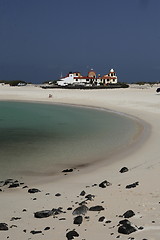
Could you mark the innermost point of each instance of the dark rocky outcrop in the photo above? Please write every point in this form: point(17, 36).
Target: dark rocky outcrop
point(82, 193)
point(90, 197)
point(140, 228)
point(33, 190)
point(7, 181)
point(62, 219)
point(124, 169)
point(11, 182)
point(57, 194)
point(82, 210)
point(96, 208)
point(14, 185)
point(158, 90)
point(71, 234)
point(47, 228)
point(3, 227)
point(94, 185)
point(133, 185)
point(78, 220)
point(35, 232)
point(69, 208)
point(104, 184)
point(128, 214)
point(13, 226)
point(43, 214)
point(67, 170)
point(56, 211)
point(108, 221)
point(126, 227)
point(101, 219)
point(15, 218)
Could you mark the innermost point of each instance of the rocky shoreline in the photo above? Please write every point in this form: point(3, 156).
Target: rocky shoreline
point(84, 210)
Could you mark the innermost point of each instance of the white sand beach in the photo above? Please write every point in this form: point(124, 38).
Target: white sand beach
point(142, 160)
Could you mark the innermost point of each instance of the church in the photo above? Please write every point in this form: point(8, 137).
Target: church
point(75, 78)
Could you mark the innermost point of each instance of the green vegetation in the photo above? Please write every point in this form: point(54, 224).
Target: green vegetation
point(50, 82)
point(143, 83)
point(14, 82)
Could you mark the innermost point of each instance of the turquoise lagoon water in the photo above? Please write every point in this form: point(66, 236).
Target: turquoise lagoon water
point(43, 138)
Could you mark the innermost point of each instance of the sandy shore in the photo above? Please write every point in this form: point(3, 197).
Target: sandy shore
point(143, 162)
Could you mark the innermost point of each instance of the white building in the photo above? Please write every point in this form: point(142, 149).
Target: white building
point(110, 77)
point(91, 79)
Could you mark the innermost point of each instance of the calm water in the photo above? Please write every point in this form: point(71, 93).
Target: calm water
point(41, 139)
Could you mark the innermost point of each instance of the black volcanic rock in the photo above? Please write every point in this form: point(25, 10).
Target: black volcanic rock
point(3, 227)
point(82, 210)
point(133, 185)
point(78, 220)
point(13, 226)
point(96, 208)
point(35, 232)
point(123, 170)
point(43, 214)
point(69, 208)
point(7, 181)
point(141, 228)
point(47, 228)
point(33, 190)
point(67, 170)
point(128, 214)
point(71, 234)
point(124, 221)
point(62, 219)
point(57, 194)
point(90, 197)
point(104, 184)
point(126, 227)
point(101, 219)
point(14, 185)
point(57, 211)
point(15, 218)
point(82, 193)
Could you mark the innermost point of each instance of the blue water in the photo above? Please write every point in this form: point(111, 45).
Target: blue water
point(43, 139)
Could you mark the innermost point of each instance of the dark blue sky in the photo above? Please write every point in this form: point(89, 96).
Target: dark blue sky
point(39, 39)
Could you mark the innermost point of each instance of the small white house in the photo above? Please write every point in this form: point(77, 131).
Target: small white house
point(69, 79)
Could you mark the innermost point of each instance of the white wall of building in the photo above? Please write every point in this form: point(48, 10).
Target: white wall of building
point(67, 80)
